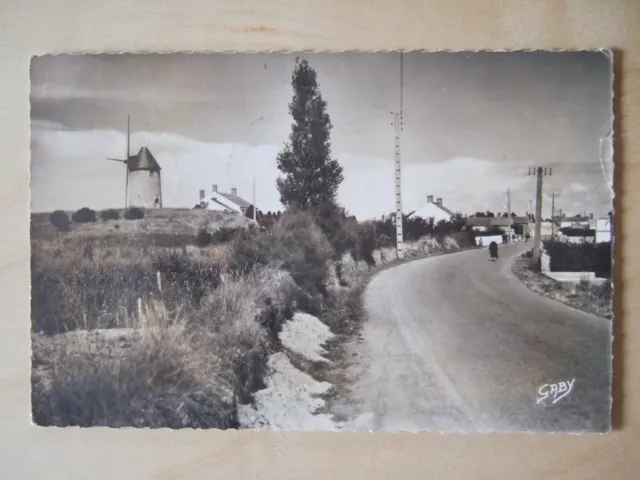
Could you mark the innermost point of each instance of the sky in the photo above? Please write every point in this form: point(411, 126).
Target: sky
point(473, 124)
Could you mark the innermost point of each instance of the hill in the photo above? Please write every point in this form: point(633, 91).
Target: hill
point(167, 226)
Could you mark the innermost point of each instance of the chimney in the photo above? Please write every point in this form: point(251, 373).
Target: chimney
point(439, 201)
point(430, 198)
point(234, 191)
point(591, 216)
point(201, 195)
point(214, 188)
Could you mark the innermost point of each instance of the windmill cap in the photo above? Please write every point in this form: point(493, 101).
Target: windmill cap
point(144, 160)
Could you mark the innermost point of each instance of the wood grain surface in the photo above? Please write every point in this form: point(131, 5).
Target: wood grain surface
point(30, 27)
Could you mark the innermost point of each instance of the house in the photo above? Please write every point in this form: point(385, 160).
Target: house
point(486, 228)
point(566, 222)
point(483, 224)
point(577, 233)
point(604, 230)
point(434, 210)
point(224, 202)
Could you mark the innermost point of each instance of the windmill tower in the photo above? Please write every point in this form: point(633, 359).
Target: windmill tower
point(143, 182)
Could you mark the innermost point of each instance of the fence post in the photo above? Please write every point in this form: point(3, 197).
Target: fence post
point(140, 309)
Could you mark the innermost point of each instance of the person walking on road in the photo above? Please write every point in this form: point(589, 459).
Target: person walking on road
point(493, 251)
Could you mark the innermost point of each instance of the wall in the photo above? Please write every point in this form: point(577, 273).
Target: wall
point(142, 189)
point(488, 239)
point(573, 277)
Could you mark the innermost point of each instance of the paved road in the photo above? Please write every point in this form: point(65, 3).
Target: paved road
point(457, 343)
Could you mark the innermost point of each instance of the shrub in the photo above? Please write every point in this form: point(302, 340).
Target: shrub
point(224, 235)
point(366, 243)
point(109, 214)
point(84, 215)
point(332, 221)
point(134, 213)
point(60, 220)
point(296, 244)
point(204, 238)
point(580, 257)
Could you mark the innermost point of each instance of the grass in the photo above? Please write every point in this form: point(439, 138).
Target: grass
point(210, 314)
point(167, 368)
point(584, 295)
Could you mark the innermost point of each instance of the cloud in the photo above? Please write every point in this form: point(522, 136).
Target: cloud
point(577, 187)
point(465, 184)
point(70, 170)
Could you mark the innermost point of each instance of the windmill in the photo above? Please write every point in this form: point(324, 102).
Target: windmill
point(143, 183)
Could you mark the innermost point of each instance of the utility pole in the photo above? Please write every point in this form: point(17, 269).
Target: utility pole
point(509, 213)
point(397, 126)
point(126, 182)
point(255, 215)
point(399, 235)
point(553, 196)
point(539, 172)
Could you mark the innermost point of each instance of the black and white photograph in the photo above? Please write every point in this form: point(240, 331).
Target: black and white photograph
point(357, 241)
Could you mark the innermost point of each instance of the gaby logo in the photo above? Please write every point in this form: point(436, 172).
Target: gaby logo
point(554, 391)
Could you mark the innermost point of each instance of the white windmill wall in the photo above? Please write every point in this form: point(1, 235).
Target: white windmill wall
point(144, 188)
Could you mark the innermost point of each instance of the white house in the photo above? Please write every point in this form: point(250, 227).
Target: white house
point(577, 233)
point(576, 220)
point(433, 209)
point(603, 230)
point(224, 202)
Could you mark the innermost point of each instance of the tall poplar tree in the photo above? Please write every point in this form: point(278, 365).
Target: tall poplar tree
point(310, 177)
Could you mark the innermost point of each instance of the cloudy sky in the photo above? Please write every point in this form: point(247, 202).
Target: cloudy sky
point(473, 124)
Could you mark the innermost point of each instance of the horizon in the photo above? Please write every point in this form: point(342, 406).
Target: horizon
point(490, 115)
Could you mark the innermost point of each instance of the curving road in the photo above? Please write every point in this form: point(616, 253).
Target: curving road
point(457, 343)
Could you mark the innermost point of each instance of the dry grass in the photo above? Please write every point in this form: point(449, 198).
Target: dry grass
point(168, 367)
point(585, 296)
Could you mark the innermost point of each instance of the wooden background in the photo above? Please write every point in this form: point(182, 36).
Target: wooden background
point(34, 27)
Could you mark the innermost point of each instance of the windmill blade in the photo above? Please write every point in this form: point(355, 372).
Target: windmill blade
point(117, 160)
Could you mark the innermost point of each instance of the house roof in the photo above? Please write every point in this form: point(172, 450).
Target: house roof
point(144, 160)
point(436, 205)
point(241, 202)
point(496, 221)
point(575, 218)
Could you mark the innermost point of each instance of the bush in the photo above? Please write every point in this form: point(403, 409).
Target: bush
point(60, 220)
point(109, 214)
point(580, 257)
point(204, 238)
point(332, 221)
point(134, 213)
point(84, 215)
point(222, 235)
point(295, 244)
point(366, 243)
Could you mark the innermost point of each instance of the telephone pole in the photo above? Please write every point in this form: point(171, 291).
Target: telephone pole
point(399, 236)
point(254, 200)
point(539, 172)
point(509, 213)
point(553, 196)
point(397, 126)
